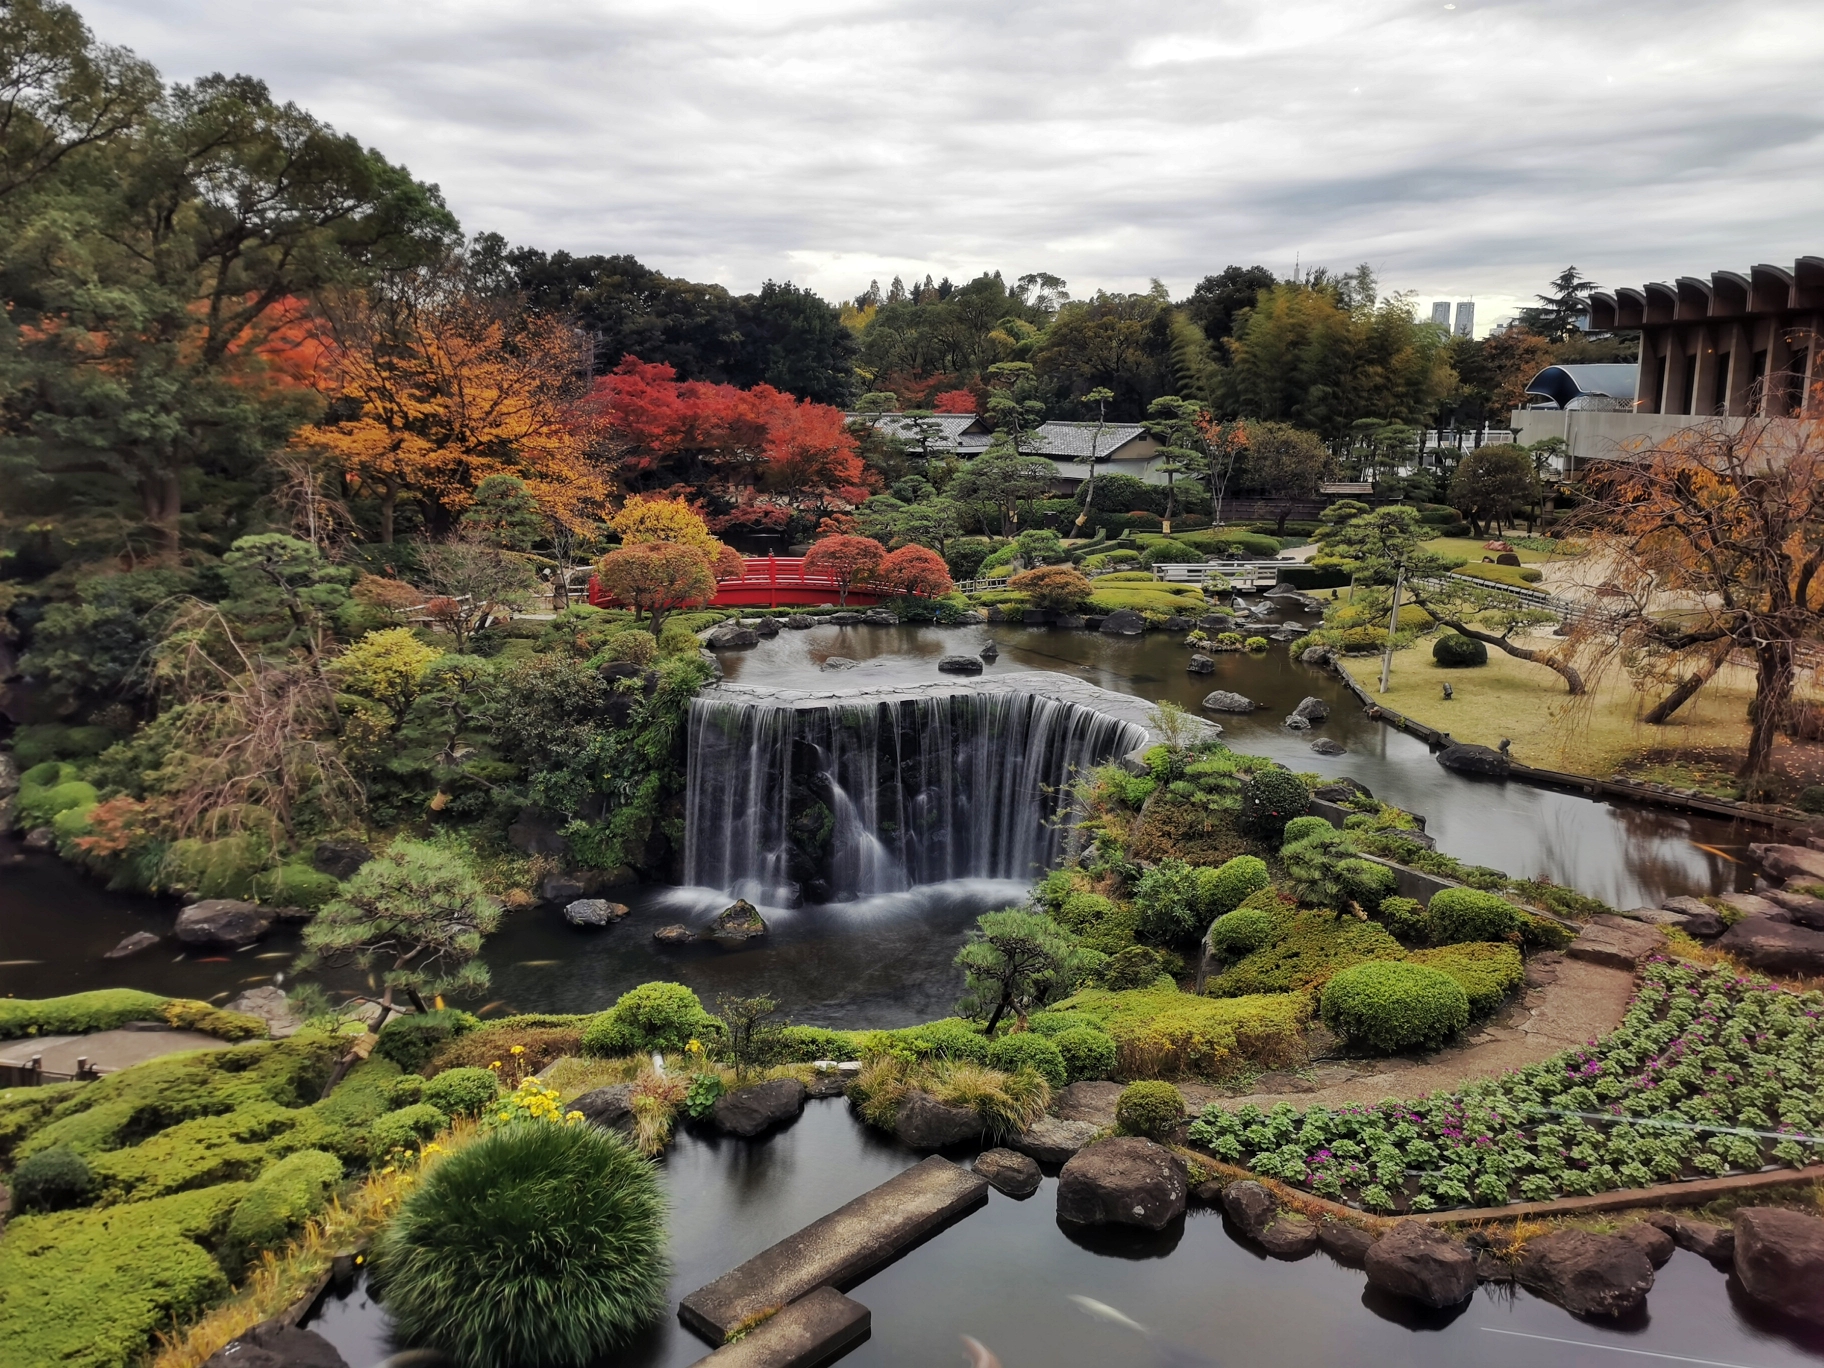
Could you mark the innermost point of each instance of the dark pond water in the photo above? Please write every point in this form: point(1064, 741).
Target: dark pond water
point(1007, 1274)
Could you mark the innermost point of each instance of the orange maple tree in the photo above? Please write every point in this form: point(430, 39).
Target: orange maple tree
point(656, 579)
point(845, 559)
point(915, 570)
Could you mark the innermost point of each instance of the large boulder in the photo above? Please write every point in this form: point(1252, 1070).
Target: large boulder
point(1201, 664)
point(1347, 1244)
point(339, 859)
point(594, 912)
point(1775, 947)
point(1009, 1172)
point(1655, 1242)
point(1779, 1259)
point(1093, 1102)
point(272, 1344)
point(1051, 1141)
point(1250, 1206)
point(1422, 1264)
point(1224, 701)
point(751, 1110)
point(1790, 861)
point(1342, 791)
point(799, 622)
point(960, 665)
point(1713, 1242)
point(611, 1108)
point(732, 637)
point(1312, 709)
point(1316, 655)
point(223, 922)
point(1467, 759)
point(1123, 622)
point(1587, 1274)
point(845, 618)
point(269, 1003)
point(132, 945)
point(740, 921)
point(1290, 1237)
point(879, 617)
point(925, 1123)
point(1129, 1181)
point(1801, 908)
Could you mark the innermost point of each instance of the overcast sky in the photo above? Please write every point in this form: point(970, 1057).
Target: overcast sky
point(1465, 150)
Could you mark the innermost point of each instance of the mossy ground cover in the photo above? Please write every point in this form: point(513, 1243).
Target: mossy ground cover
point(106, 1009)
point(1710, 1072)
point(1161, 1032)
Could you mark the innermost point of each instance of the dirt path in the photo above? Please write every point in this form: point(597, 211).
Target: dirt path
point(1579, 1002)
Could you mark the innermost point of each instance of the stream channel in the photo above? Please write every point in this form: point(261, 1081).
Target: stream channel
point(1006, 1274)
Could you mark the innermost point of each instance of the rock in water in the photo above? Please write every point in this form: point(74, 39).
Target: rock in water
point(1202, 664)
point(1296, 723)
point(1421, 1264)
point(1655, 1243)
point(1342, 791)
point(990, 653)
point(925, 1123)
point(1128, 1181)
point(1009, 1172)
point(1052, 1141)
point(840, 663)
point(879, 617)
point(1123, 622)
point(132, 945)
point(1779, 1258)
point(271, 1344)
point(1316, 655)
point(610, 1108)
point(223, 922)
point(40, 839)
point(1290, 1237)
point(1312, 709)
point(1345, 1243)
point(269, 1004)
point(1775, 947)
point(1176, 623)
point(1790, 861)
point(594, 912)
point(749, 1111)
point(730, 637)
point(739, 921)
point(1466, 759)
point(1325, 746)
point(1588, 1275)
point(846, 619)
point(960, 665)
point(767, 628)
point(799, 622)
point(1224, 701)
point(675, 934)
point(1713, 1242)
point(1250, 1206)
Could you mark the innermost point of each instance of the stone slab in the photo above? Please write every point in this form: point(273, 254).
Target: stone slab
point(814, 1330)
point(106, 1051)
point(1616, 942)
point(837, 1250)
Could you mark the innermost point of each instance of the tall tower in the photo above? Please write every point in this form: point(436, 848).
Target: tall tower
point(1466, 318)
point(1440, 314)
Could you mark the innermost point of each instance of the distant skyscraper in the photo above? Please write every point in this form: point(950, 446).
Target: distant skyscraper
point(1466, 318)
point(1440, 313)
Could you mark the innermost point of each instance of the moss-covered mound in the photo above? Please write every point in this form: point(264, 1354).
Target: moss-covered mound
point(1162, 1033)
point(1311, 948)
point(107, 1009)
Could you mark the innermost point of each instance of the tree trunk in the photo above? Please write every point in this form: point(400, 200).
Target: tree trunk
point(1000, 1010)
point(417, 1002)
point(161, 500)
point(1573, 681)
point(1688, 686)
point(389, 500)
point(1772, 697)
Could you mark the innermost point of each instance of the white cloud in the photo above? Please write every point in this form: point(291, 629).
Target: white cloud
point(1462, 152)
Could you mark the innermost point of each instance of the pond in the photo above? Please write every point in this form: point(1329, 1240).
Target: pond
point(1008, 1273)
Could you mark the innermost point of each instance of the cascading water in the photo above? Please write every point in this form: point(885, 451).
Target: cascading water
point(834, 801)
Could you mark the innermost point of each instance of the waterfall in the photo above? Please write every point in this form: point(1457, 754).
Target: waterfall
point(832, 801)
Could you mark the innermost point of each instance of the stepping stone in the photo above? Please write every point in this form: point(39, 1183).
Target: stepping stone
point(815, 1329)
point(1616, 942)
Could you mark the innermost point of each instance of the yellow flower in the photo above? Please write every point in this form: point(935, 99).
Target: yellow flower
point(519, 1049)
point(495, 1064)
point(695, 1047)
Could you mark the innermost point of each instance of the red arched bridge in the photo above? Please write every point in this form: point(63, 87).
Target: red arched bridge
point(769, 582)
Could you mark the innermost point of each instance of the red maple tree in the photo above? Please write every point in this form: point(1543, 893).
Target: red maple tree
point(846, 560)
point(915, 570)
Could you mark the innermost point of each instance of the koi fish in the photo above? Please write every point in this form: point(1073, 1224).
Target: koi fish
point(979, 1354)
point(1712, 850)
point(213, 959)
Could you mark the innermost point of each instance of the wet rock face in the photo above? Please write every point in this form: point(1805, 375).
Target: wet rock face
point(1325, 746)
point(799, 622)
point(223, 922)
point(675, 934)
point(960, 664)
point(1201, 664)
point(739, 921)
point(1790, 861)
point(1779, 1258)
point(1128, 1181)
point(594, 912)
point(610, 1108)
point(1586, 1274)
point(1123, 622)
point(1224, 701)
point(730, 637)
point(1775, 947)
point(1312, 709)
point(1008, 1171)
point(1250, 1206)
point(750, 1111)
point(1421, 1264)
point(1345, 1243)
point(925, 1123)
point(274, 1345)
point(1466, 759)
point(132, 945)
point(1051, 1141)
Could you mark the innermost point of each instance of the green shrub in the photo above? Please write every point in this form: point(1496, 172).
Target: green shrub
point(89, 1288)
point(1454, 651)
point(1152, 1109)
point(1169, 898)
point(1270, 799)
point(1811, 798)
point(950, 1038)
point(1160, 1032)
point(1486, 971)
point(654, 1016)
point(1468, 914)
point(1089, 1054)
point(1028, 1050)
point(633, 647)
point(279, 1201)
point(51, 1180)
point(677, 639)
point(462, 1092)
point(1405, 918)
point(295, 885)
point(1100, 923)
point(1395, 1006)
point(103, 1009)
point(1138, 966)
point(410, 1041)
point(1171, 553)
point(1229, 885)
point(407, 1090)
point(403, 1129)
point(1311, 946)
point(803, 1044)
point(222, 868)
point(536, 1245)
point(1300, 827)
point(1244, 931)
point(1542, 933)
point(40, 806)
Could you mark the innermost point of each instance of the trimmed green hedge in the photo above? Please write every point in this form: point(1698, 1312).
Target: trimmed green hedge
point(1392, 1006)
point(1029, 1050)
point(1467, 914)
point(278, 1203)
point(1486, 971)
point(1089, 1054)
point(107, 1009)
point(1311, 947)
point(1152, 1109)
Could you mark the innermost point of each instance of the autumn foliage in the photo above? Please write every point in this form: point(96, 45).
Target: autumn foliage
point(915, 570)
point(656, 579)
point(1053, 588)
point(847, 560)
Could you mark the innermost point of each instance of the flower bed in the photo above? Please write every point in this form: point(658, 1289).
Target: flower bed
point(1708, 1073)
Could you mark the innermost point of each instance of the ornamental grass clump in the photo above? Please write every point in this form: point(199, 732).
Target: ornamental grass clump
point(536, 1245)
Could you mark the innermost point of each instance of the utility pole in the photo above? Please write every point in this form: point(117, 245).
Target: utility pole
point(1393, 625)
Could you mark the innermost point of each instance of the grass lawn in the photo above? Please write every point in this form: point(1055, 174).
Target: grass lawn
point(1470, 548)
point(1551, 730)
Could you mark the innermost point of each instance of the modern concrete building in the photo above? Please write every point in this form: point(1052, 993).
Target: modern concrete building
point(1466, 318)
point(1440, 313)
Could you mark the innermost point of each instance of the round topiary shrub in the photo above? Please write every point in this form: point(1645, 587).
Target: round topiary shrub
point(410, 1041)
point(1089, 1054)
point(403, 1129)
point(1244, 931)
point(462, 1092)
point(537, 1245)
point(1469, 914)
point(1152, 1109)
point(1028, 1050)
point(1271, 799)
point(52, 1180)
point(1811, 798)
point(1300, 827)
point(295, 885)
point(1229, 885)
point(407, 1090)
point(1135, 967)
point(1454, 651)
point(1389, 1005)
point(654, 1016)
